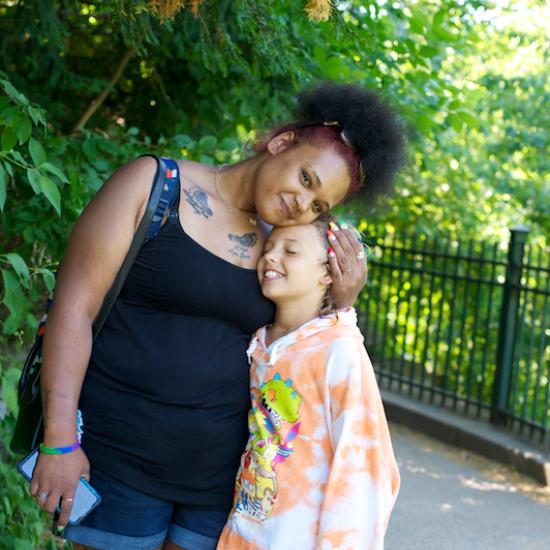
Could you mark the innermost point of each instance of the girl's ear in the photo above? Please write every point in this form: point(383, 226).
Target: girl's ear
point(281, 142)
point(326, 279)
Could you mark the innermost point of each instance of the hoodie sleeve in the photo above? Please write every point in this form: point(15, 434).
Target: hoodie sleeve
point(364, 479)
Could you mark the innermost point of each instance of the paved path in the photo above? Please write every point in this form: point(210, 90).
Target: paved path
point(454, 500)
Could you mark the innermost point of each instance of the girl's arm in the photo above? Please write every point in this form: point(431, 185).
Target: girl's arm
point(95, 251)
point(364, 479)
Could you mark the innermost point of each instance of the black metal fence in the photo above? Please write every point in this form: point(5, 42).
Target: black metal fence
point(464, 325)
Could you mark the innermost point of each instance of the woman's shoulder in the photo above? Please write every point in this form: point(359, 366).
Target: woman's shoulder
point(193, 170)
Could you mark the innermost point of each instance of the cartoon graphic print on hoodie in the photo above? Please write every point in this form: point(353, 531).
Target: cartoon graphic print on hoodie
point(318, 471)
point(273, 423)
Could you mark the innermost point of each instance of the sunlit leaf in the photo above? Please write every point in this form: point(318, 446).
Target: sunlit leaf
point(446, 34)
point(428, 51)
point(37, 115)
point(439, 17)
point(49, 279)
point(23, 128)
point(336, 68)
point(18, 264)
point(52, 169)
point(51, 192)
point(13, 299)
point(33, 176)
point(468, 118)
point(455, 121)
point(37, 152)
point(13, 92)
point(16, 155)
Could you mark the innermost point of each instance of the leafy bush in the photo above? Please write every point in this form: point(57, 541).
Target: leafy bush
point(469, 78)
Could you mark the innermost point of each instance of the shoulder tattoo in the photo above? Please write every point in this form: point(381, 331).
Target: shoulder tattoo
point(242, 243)
point(198, 199)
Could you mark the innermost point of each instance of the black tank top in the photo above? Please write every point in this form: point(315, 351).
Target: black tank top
point(166, 396)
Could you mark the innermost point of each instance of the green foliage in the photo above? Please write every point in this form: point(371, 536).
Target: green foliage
point(469, 78)
point(487, 168)
point(24, 525)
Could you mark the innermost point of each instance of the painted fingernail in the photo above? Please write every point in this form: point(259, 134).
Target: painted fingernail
point(343, 225)
point(330, 250)
point(59, 529)
point(333, 226)
point(331, 235)
point(331, 254)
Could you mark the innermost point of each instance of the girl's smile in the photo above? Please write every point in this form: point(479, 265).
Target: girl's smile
point(271, 274)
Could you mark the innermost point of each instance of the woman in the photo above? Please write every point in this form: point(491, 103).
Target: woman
point(164, 391)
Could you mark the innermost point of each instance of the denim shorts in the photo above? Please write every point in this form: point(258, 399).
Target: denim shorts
point(127, 519)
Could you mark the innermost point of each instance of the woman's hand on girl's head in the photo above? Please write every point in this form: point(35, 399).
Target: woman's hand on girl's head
point(348, 266)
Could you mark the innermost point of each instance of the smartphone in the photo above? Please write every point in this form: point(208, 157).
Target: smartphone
point(86, 498)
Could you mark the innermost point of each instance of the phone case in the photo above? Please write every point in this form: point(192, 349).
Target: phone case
point(86, 498)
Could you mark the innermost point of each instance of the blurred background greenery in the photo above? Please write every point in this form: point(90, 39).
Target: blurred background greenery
point(86, 86)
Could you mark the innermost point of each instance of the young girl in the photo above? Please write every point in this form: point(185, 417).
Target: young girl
point(318, 471)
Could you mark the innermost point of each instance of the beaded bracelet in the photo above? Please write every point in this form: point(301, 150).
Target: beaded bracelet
point(59, 450)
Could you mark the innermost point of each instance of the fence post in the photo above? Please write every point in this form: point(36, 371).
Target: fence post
point(507, 328)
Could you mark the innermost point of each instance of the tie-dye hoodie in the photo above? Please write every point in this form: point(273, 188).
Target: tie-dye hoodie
point(318, 471)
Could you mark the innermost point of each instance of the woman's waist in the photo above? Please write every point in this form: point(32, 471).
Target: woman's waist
point(148, 384)
point(167, 368)
point(165, 454)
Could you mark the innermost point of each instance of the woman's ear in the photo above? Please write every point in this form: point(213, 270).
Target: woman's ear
point(281, 142)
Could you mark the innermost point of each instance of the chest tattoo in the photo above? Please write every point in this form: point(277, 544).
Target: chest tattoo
point(198, 199)
point(241, 244)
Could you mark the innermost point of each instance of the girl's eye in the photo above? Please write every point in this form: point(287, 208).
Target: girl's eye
point(292, 252)
point(317, 208)
point(306, 178)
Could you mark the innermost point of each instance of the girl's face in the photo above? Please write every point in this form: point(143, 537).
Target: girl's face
point(294, 265)
point(297, 183)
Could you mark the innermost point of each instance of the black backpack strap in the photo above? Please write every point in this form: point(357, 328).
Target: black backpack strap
point(169, 194)
point(165, 188)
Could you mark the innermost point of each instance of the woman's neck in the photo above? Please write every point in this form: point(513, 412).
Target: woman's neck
point(290, 316)
point(235, 184)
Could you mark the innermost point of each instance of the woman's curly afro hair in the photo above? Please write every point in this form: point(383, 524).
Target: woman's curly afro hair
point(370, 125)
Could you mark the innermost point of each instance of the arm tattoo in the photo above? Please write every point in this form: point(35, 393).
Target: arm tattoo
point(198, 199)
point(242, 243)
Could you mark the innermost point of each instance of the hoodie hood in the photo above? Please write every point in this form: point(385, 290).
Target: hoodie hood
point(345, 319)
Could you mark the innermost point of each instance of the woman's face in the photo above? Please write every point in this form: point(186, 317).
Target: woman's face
point(297, 183)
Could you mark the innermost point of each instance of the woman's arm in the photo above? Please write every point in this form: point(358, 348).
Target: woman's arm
point(364, 480)
point(96, 249)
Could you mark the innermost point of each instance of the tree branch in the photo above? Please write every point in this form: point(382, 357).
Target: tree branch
point(96, 102)
point(157, 79)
